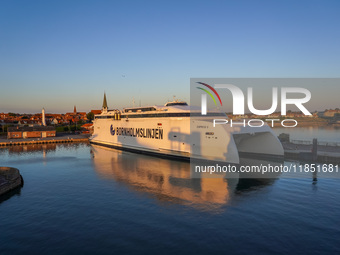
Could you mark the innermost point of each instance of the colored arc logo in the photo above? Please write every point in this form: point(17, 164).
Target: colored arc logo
point(208, 92)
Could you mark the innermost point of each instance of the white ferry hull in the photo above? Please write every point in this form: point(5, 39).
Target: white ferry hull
point(171, 137)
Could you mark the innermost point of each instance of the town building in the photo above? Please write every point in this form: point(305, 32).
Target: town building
point(331, 113)
point(30, 132)
point(74, 117)
point(88, 128)
point(95, 112)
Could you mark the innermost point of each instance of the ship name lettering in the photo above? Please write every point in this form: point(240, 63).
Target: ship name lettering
point(153, 133)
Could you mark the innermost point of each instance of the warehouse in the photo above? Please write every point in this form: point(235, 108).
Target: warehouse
point(30, 132)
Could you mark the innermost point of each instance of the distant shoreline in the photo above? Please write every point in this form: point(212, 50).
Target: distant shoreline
point(303, 123)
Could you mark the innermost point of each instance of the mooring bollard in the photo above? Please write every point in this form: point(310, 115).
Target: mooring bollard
point(315, 149)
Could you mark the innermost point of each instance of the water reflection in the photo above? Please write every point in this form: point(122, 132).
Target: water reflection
point(11, 193)
point(20, 149)
point(168, 180)
point(42, 149)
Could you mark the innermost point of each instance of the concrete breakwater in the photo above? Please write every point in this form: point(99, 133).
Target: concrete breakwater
point(10, 179)
point(304, 157)
point(304, 152)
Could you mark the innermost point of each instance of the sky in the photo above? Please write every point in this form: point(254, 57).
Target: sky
point(57, 54)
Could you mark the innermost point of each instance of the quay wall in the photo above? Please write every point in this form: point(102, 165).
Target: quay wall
point(46, 141)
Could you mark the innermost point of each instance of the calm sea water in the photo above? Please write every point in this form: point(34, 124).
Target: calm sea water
point(79, 199)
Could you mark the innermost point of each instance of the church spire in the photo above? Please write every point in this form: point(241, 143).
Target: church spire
point(75, 110)
point(104, 101)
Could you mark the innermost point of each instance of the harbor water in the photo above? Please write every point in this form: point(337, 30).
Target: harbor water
point(83, 199)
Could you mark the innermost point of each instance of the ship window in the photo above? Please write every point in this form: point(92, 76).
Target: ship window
point(157, 115)
point(175, 103)
point(105, 117)
point(173, 114)
point(141, 109)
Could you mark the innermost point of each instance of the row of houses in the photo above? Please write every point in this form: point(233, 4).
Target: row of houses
point(51, 119)
point(331, 113)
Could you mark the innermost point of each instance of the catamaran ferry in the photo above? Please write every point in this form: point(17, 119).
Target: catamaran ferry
point(177, 131)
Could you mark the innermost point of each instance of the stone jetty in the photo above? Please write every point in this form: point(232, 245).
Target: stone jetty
point(10, 179)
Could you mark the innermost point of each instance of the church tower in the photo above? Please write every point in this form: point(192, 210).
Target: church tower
point(104, 108)
point(75, 110)
point(43, 121)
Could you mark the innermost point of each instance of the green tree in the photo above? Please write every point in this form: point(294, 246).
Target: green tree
point(90, 116)
point(5, 127)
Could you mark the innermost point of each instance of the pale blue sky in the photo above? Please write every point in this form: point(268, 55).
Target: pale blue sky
point(57, 54)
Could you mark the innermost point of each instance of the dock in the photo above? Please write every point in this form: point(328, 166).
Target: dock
point(326, 153)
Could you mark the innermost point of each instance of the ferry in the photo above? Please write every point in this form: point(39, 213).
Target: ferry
point(179, 131)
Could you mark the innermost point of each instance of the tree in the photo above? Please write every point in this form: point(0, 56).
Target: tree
point(90, 116)
point(5, 127)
